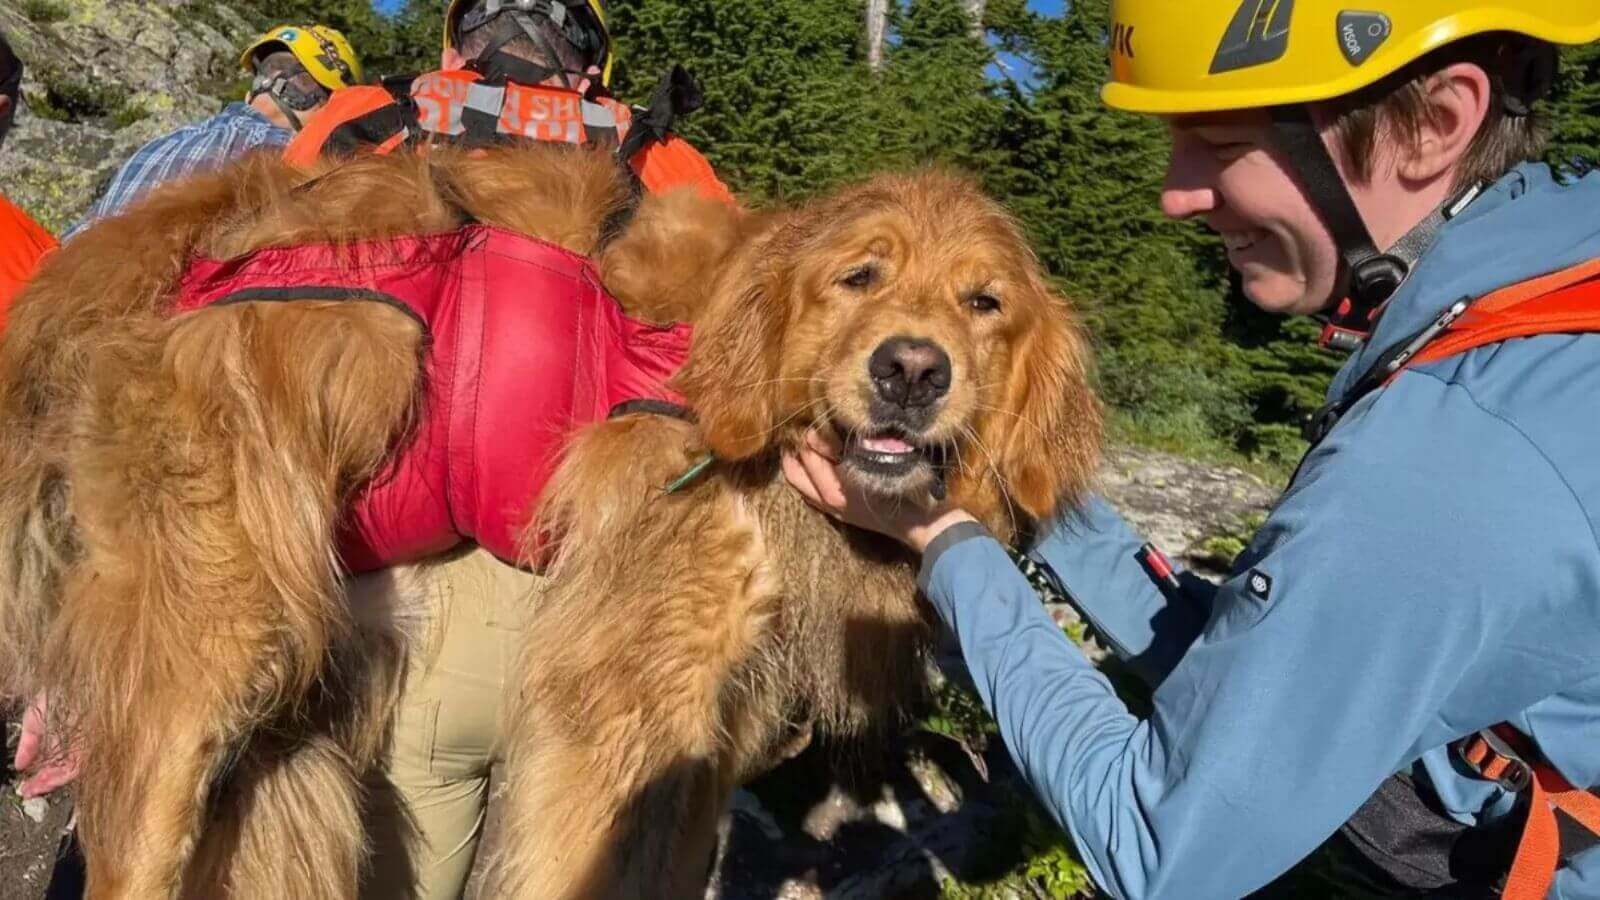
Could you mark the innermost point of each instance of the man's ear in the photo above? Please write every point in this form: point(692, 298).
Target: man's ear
point(451, 60)
point(731, 379)
point(1458, 98)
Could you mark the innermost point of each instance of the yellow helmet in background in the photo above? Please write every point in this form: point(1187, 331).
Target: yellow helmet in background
point(1172, 57)
point(324, 53)
point(589, 15)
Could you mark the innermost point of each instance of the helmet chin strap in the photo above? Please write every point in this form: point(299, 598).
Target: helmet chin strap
point(1368, 276)
point(282, 93)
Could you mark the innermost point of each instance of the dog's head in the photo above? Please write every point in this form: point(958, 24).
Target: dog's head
point(908, 315)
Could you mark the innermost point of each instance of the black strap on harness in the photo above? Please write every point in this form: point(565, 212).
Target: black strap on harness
point(373, 128)
point(648, 406)
point(677, 94)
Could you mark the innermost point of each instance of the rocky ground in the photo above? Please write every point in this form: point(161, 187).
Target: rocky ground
point(942, 808)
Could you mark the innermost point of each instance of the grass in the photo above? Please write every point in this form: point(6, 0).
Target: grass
point(1220, 550)
point(45, 12)
point(1049, 866)
point(1192, 443)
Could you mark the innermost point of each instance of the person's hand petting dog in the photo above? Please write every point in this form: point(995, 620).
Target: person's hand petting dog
point(813, 472)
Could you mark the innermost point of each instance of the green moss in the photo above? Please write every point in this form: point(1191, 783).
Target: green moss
point(1046, 865)
point(1220, 550)
point(69, 98)
point(130, 113)
point(958, 714)
point(45, 12)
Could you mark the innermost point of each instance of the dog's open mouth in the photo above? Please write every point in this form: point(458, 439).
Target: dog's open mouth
point(887, 453)
point(891, 461)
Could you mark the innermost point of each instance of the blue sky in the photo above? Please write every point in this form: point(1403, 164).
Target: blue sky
point(1053, 7)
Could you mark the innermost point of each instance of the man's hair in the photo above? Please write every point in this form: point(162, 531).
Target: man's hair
point(282, 62)
point(1396, 109)
point(504, 28)
point(10, 83)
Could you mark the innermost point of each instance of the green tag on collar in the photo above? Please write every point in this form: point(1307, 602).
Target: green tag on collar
point(689, 476)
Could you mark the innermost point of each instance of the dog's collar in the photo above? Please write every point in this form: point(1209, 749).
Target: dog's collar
point(651, 407)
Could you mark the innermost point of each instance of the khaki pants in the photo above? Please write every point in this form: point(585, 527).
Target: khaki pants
point(447, 730)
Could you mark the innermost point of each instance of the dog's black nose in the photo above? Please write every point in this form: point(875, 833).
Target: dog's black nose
point(909, 372)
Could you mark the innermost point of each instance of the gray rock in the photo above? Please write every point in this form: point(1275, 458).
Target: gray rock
point(155, 66)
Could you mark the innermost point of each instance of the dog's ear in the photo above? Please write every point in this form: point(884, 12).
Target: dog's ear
point(731, 379)
point(1048, 443)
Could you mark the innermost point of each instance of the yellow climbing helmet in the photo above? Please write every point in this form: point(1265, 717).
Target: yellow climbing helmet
point(323, 51)
point(583, 21)
point(1171, 57)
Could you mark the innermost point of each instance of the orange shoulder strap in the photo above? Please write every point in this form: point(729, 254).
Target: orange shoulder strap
point(674, 163)
point(1565, 302)
point(1502, 755)
point(343, 107)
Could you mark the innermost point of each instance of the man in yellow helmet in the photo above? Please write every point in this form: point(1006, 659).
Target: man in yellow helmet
point(294, 70)
point(1401, 669)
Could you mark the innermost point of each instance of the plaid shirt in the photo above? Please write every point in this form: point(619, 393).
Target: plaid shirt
point(192, 149)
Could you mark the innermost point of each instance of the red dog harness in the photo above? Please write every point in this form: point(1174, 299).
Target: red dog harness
point(523, 346)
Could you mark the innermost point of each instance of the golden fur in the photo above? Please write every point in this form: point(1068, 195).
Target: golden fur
point(688, 641)
point(169, 490)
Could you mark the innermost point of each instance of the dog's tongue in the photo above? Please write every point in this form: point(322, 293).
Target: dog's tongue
point(887, 445)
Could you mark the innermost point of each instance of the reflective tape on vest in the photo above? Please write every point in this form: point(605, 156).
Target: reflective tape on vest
point(536, 112)
point(543, 115)
point(440, 100)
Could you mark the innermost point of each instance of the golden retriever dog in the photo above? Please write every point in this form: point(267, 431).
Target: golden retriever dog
point(171, 487)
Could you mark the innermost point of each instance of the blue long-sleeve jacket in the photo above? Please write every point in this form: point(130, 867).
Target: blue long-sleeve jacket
point(1433, 569)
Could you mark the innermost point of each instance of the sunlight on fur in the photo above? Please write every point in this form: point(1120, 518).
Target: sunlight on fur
point(171, 489)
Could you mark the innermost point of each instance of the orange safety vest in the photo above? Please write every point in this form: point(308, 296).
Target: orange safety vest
point(23, 243)
point(1565, 302)
point(458, 106)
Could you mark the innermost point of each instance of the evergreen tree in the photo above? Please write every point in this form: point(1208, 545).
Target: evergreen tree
point(793, 108)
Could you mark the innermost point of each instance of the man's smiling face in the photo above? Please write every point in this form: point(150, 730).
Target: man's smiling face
point(1226, 172)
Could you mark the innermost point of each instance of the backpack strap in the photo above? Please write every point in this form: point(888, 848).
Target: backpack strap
point(1503, 755)
point(381, 130)
point(1564, 302)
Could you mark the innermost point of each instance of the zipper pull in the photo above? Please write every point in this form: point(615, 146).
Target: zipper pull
point(1445, 320)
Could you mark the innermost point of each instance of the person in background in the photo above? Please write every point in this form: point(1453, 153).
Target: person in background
point(510, 70)
point(1401, 668)
point(294, 71)
point(23, 242)
point(532, 70)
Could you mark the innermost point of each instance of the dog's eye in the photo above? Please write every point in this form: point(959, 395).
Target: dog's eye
point(860, 278)
point(984, 303)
